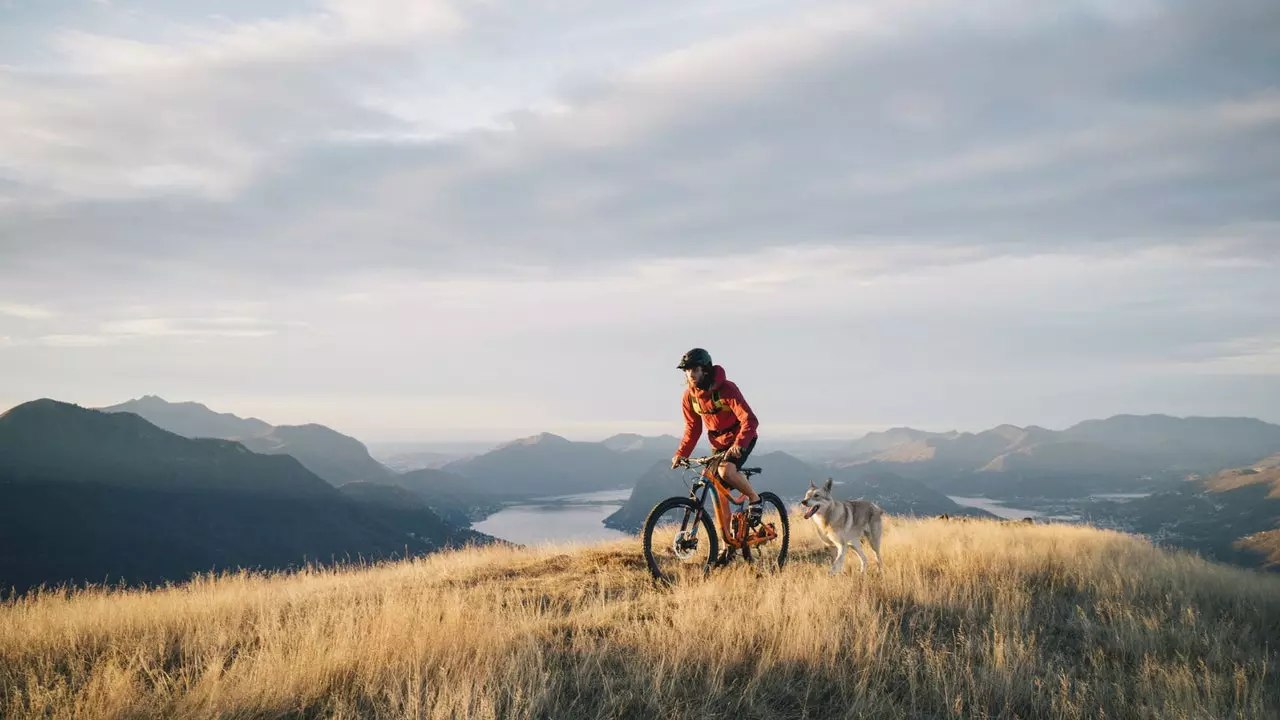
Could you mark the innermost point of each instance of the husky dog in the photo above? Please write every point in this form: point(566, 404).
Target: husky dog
point(844, 522)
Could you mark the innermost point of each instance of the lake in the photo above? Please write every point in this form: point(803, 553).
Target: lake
point(578, 517)
point(556, 519)
point(1009, 512)
point(995, 507)
point(1119, 497)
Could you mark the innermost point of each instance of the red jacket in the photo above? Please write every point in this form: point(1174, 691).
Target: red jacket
point(734, 412)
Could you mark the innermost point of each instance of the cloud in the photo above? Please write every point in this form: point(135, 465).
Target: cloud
point(336, 27)
point(991, 203)
point(151, 329)
point(202, 110)
point(26, 312)
point(1121, 311)
point(1255, 355)
point(188, 327)
point(77, 138)
point(1008, 127)
point(72, 340)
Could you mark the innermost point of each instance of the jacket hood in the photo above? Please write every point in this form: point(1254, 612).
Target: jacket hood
point(717, 379)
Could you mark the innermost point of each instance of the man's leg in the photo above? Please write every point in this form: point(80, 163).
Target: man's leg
point(736, 480)
point(733, 477)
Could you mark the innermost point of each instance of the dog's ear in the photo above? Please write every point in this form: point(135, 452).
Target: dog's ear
point(827, 487)
point(811, 483)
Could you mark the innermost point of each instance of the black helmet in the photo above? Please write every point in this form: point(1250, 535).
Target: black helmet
point(694, 358)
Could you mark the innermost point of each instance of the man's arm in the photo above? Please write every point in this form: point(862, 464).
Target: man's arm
point(692, 427)
point(747, 421)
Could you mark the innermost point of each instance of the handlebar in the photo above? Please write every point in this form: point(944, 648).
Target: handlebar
point(707, 460)
point(733, 496)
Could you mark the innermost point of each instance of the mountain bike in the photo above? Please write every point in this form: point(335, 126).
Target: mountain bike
point(680, 542)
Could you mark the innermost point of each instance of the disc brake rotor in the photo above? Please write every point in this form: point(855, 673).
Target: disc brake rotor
point(684, 547)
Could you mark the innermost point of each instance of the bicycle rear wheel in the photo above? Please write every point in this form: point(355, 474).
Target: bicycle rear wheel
point(771, 555)
point(679, 542)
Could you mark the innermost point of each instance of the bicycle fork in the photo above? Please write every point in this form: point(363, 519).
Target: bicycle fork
point(694, 518)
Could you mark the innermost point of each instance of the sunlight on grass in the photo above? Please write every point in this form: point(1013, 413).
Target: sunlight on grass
point(968, 619)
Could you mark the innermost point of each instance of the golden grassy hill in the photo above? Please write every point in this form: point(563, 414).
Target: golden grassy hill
point(968, 619)
point(1229, 480)
point(1266, 546)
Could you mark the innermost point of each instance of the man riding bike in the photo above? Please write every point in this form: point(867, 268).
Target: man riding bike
point(711, 399)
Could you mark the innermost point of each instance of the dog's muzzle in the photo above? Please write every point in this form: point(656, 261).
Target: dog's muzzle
point(809, 513)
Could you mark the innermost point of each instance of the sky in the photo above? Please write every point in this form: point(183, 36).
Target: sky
point(437, 220)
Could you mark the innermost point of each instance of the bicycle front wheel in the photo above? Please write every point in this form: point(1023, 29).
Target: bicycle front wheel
point(679, 541)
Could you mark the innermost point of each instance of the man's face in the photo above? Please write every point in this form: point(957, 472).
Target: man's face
point(695, 374)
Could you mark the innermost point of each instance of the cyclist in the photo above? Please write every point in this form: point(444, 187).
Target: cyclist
point(712, 400)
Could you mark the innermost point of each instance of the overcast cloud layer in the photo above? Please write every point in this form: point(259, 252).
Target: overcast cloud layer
point(431, 220)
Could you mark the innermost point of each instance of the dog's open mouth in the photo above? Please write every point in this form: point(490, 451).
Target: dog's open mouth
point(809, 513)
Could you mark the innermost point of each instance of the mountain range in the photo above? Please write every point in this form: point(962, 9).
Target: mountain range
point(1232, 515)
point(1116, 454)
point(548, 464)
point(89, 496)
point(334, 457)
point(150, 490)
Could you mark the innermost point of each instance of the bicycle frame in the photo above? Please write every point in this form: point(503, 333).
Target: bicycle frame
point(732, 525)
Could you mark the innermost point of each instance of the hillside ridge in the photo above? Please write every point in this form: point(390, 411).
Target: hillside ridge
point(970, 619)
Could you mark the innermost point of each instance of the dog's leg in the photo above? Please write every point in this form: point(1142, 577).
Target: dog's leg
point(876, 530)
point(857, 547)
point(838, 565)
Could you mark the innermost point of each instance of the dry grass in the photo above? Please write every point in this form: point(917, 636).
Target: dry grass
point(969, 619)
point(1236, 479)
point(1266, 544)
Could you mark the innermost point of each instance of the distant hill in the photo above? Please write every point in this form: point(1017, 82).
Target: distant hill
point(548, 464)
point(335, 457)
point(418, 460)
point(952, 452)
point(1193, 444)
point(405, 456)
point(409, 513)
point(95, 496)
point(1232, 515)
point(1262, 548)
point(470, 488)
point(1119, 454)
point(1069, 456)
point(383, 495)
point(631, 442)
point(789, 477)
point(50, 441)
point(1062, 468)
point(191, 419)
point(453, 497)
point(879, 441)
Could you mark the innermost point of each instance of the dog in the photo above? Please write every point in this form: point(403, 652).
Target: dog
point(844, 522)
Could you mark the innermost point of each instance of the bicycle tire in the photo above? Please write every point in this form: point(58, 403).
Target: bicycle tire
point(651, 521)
point(784, 533)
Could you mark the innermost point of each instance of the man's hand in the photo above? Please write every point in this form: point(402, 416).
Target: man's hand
point(733, 452)
point(677, 461)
